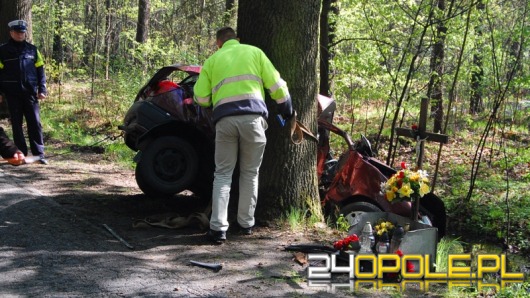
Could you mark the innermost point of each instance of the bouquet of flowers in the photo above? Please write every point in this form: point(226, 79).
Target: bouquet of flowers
point(406, 185)
point(384, 226)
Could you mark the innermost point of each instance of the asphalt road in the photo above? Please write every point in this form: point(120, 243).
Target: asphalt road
point(57, 246)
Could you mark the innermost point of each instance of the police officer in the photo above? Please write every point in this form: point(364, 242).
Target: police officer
point(23, 82)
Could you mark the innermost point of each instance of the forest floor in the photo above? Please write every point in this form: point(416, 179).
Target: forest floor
point(53, 242)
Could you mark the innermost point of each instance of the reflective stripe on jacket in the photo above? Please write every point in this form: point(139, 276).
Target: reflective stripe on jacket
point(233, 79)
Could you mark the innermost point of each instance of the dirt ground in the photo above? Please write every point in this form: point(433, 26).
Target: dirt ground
point(53, 242)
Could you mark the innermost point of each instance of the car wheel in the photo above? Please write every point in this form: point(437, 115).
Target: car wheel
point(352, 211)
point(145, 187)
point(168, 166)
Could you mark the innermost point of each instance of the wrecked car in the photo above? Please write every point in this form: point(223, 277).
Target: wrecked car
point(174, 141)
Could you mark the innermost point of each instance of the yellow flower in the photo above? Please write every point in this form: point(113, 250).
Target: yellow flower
point(405, 190)
point(390, 195)
point(415, 177)
point(424, 189)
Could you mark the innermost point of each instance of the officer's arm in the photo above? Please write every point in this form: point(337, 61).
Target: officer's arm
point(41, 75)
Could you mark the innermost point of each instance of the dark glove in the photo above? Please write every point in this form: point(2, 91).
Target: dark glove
point(282, 118)
point(286, 109)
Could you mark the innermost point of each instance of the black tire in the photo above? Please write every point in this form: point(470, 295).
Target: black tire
point(168, 166)
point(349, 211)
point(147, 189)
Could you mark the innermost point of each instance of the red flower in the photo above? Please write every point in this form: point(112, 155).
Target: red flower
point(403, 165)
point(410, 267)
point(338, 245)
point(399, 252)
point(345, 243)
point(353, 238)
point(401, 174)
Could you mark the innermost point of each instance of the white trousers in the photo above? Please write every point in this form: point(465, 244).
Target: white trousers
point(242, 137)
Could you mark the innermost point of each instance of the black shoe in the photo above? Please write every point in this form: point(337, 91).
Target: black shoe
point(245, 231)
point(217, 237)
point(43, 161)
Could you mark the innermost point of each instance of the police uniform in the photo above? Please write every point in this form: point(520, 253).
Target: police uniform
point(22, 79)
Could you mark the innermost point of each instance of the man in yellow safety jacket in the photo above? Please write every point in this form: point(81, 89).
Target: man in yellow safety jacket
point(232, 80)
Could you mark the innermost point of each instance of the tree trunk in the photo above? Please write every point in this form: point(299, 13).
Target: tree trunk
point(108, 35)
point(90, 20)
point(434, 91)
point(477, 72)
point(58, 48)
point(142, 28)
point(229, 12)
point(327, 33)
point(287, 32)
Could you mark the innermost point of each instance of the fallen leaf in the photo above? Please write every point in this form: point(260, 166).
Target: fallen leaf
point(300, 257)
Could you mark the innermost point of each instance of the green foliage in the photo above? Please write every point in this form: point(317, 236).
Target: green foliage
point(295, 218)
point(342, 224)
point(446, 247)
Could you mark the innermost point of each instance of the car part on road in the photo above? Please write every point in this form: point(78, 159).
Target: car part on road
point(118, 237)
point(212, 266)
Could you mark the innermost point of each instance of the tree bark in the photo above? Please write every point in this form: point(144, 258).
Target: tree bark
point(327, 33)
point(58, 48)
point(477, 72)
point(143, 21)
point(287, 32)
point(229, 12)
point(434, 91)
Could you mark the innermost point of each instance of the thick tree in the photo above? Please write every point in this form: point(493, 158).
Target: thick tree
point(287, 31)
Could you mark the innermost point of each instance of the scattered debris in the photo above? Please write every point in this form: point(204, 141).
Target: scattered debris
point(300, 258)
point(118, 237)
point(212, 266)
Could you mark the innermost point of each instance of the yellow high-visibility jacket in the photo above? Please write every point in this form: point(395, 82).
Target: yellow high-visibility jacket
point(233, 79)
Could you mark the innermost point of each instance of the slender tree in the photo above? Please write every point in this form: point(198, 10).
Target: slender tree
point(58, 48)
point(229, 12)
point(477, 73)
point(143, 21)
point(327, 34)
point(434, 90)
point(287, 31)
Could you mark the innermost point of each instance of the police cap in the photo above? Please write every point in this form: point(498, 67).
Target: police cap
point(18, 25)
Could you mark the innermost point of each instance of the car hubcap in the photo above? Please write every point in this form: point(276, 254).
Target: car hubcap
point(170, 164)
